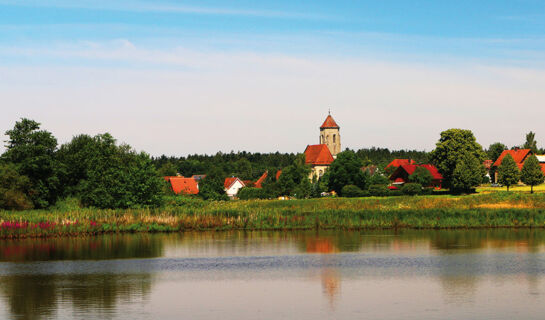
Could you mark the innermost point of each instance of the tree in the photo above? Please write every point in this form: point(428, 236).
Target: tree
point(495, 150)
point(421, 176)
point(468, 173)
point(531, 142)
point(450, 148)
point(32, 151)
point(14, 188)
point(294, 179)
point(351, 191)
point(211, 187)
point(531, 173)
point(379, 179)
point(508, 172)
point(346, 170)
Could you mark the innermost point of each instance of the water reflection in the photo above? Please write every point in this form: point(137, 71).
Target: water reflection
point(129, 276)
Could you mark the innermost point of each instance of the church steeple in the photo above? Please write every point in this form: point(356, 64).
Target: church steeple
point(330, 136)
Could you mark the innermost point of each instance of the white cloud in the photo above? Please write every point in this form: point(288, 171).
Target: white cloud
point(186, 101)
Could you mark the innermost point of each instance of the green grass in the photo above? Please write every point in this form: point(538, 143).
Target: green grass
point(499, 209)
point(516, 188)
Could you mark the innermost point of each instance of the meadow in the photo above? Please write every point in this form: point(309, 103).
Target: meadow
point(484, 210)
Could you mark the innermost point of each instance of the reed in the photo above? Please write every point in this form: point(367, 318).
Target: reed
point(472, 211)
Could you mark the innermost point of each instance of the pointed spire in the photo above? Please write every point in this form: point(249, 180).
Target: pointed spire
point(329, 123)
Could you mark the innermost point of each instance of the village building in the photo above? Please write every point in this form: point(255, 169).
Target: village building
point(399, 162)
point(232, 186)
point(402, 173)
point(320, 156)
point(180, 184)
point(520, 156)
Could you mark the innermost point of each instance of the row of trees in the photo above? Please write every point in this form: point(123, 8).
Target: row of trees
point(531, 174)
point(34, 173)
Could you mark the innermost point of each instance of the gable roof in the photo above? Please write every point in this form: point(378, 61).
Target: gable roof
point(329, 123)
point(259, 182)
point(318, 154)
point(183, 185)
point(400, 162)
point(230, 181)
point(519, 155)
point(410, 168)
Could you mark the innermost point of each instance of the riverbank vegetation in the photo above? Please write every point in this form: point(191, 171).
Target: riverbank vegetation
point(500, 209)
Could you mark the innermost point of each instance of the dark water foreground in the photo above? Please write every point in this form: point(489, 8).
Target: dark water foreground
point(473, 274)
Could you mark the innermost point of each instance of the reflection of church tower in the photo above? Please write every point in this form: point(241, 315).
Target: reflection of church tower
point(329, 135)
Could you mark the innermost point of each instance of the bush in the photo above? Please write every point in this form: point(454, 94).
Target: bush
point(251, 193)
point(411, 189)
point(427, 191)
point(378, 178)
point(378, 190)
point(395, 193)
point(351, 191)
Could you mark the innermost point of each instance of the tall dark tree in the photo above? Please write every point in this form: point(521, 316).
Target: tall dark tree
point(33, 152)
point(531, 173)
point(531, 142)
point(14, 188)
point(294, 180)
point(495, 150)
point(508, 172)
point(346, 170)
point(450, 148)
point(468, 174)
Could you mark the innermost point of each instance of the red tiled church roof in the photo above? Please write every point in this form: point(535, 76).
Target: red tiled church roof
point(519, 155)
point(183, 185)
point(318, 154)
point(329, 123)
point(400, 162)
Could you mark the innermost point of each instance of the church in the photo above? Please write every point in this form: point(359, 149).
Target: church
point(320, 156)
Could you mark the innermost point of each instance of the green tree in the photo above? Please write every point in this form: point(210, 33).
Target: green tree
point(378, 179)
point(421, 176)
point(346, 170)
point(211, 187)
point(468, 173)
point(33, 152)
point(168, 169)
point(508, 172)
point(14, 188)
point(531, 173)
point(450, 148)
point(531, 142)
point(294, 180)
point(495, 150)
point(351, 191)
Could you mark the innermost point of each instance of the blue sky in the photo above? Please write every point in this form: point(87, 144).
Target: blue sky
point(140, 68)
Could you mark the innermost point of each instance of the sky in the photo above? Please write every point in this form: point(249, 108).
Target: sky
point(186, 77)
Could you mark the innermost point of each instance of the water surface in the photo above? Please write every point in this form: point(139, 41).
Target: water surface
point(471, 274)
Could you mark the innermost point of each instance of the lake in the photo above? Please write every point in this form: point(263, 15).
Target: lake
point(409, 274)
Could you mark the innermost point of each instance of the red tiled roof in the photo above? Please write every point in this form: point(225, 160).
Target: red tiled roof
point(400, 162)
point(183, 185)
point(318, 154)
point(519, 155)
point(259, 182)
point(229, 182)
point(278, 174)
point(329, 123)
point(410, 168)
point(542, 167)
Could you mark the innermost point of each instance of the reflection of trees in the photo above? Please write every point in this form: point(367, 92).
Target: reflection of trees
point(82, 248)
point(37, 296)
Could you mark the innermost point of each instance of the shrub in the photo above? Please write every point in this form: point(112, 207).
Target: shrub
point(395, 193)
point(411, 189)
point(427, 191)
point(378, 178)
point(378, 190)
point(351, 191)
point(251, 193)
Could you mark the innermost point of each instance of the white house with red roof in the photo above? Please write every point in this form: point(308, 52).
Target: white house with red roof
point(232, 186)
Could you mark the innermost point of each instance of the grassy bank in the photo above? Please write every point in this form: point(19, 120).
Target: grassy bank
point(500, 209)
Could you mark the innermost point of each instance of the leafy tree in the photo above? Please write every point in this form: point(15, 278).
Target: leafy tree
point(422, 176)
point(351, 191)
point(450, 148)
point(508, 172)
point(168, 169)
point(346, 170)
point(211, 187)
point(411, 189)
point(531, 173)
point(531, 142)
point(495, 150)
point(14, 188)
point(379, 179)
point(33, 152)
point(294, 179)
point(251, 193)
point(378, 190)
point(468, 173)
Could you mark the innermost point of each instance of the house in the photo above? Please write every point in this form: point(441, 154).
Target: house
point(519, 155)
point(402, 173)
point(319, 158)
point(399, 162)
point(232, 186)
point(180, 184)
point(198, 177)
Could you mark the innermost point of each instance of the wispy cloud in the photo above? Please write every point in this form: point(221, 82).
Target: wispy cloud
point(157, 6)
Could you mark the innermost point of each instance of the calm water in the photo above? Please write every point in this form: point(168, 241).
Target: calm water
point(495, 274)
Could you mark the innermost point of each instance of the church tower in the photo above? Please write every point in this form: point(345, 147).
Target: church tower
point(330, 136)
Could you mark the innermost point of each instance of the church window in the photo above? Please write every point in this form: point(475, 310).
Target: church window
point(334, 136)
